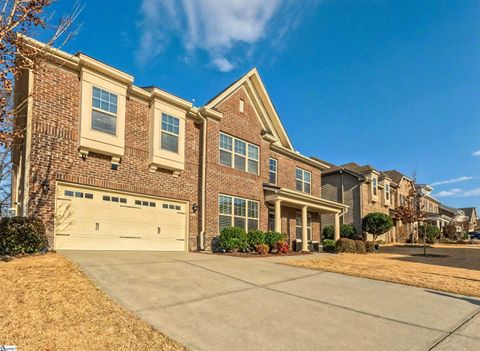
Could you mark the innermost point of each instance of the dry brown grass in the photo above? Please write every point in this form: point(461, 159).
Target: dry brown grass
point(458, 273)
point(46, 303)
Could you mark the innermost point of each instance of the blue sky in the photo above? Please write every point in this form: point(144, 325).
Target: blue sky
point(395, 84)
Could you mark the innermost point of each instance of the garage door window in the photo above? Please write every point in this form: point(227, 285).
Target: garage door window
point(237, 212)
point(78, 194)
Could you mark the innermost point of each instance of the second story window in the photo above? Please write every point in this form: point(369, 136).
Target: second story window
point(374, 186)
point(238, 154)
point(170, 133)
point(387, 192)
point(104, 111)
point(303, 180)
point(273, 171)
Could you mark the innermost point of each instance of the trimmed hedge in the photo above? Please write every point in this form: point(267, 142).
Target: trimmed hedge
point(233, 239)
point(344, 245)
point(370, 246)
point(360, 247)
point(22, 235)
point(348, 231)
point(272, 238)
point(328, 245)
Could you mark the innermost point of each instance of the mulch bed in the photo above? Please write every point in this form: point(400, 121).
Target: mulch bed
point(257, 255)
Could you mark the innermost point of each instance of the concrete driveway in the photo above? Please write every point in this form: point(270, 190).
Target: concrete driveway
point(211, 302)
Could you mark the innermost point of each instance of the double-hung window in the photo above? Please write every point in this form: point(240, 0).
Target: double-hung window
point(238, 154)
point(387, 192)
point(104, 111)
point(374, 186)
point(170, 133)
point(237, 212)
point(273, 171)
point(303, 180)
point(298, 226)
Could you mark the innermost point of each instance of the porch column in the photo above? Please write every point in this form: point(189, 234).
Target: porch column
point(304, 229)
point(336, 227)
point(438, 224)
point(278, 218)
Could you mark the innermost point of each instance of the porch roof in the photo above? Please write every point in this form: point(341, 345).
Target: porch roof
point(299, 199)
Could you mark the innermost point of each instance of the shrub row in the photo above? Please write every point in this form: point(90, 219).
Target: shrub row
point(345, 245)
point(236, 239)
point(346, 231)
point(22, 235)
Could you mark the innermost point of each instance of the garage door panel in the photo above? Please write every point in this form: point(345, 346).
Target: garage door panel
point(93, 219)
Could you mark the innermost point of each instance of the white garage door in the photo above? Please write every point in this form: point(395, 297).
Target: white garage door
point(96, 219)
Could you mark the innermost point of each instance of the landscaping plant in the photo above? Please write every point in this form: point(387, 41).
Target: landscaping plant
point(360, 247)
point(233, 239)
point(262, 249)
point(271, 238)
point(431, 233)
point(369, 246)
point(328, 232)
point(282, 247)
point(255, 237)
point(348, 231)
point(377, 223)
point(22, 235)
point(328, 245)
point(344, 245)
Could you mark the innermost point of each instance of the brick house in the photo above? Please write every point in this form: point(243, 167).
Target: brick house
point(363, 188)
point(471, 213)
point(110, 165)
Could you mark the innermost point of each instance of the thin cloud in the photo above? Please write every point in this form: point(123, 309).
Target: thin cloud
point(214, 27)
point(448, 193)
point(476, 153)
point(454, 180)
point(458, 193)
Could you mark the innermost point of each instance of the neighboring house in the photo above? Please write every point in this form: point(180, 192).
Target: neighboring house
point(363, 188)
point(431, 207)
point(454, 216)
point(110, 165)
point(471, 213)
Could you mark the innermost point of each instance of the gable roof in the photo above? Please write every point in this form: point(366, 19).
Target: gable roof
point(396, 176)
point(469, 211)
point(262, 103)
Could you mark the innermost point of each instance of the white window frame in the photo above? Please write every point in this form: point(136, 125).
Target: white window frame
point(275, 172)
point(232, 214)
point(303, 181)
point(298, 219)
point(101, 110)
point(241, 106)
point(169, 133)
point(374, 186)
point(246, 156)
point(387, 192)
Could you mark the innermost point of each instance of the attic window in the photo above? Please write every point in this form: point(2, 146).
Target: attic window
point(242, 105)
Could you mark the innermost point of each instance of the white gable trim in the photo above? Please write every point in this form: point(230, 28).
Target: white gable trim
point(262, 103)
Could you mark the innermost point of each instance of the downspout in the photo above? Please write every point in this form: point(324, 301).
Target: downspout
point(204, 181)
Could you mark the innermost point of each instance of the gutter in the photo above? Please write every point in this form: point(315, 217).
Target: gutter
point(204, 182)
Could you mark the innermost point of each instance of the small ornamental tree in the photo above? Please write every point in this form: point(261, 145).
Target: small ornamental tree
point(376, 224)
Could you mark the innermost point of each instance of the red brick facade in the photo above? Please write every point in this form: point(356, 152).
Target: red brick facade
point(54, 157)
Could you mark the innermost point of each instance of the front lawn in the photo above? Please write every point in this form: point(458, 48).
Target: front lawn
point(48, 304)
point(451, 268)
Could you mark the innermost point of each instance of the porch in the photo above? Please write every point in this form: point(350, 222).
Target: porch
point(298, 214)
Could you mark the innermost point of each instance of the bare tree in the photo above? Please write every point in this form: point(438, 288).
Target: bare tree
point(19, 20)
point(411, 210)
